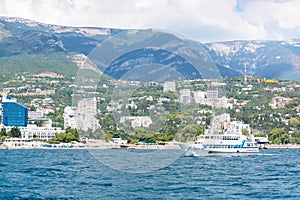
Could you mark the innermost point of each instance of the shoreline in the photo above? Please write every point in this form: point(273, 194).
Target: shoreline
point(104, 146)
point(281, 146)
point(94, 146)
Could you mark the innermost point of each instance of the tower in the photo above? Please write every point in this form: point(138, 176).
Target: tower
point(245, 75)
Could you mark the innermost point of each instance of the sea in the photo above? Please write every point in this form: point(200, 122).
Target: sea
point(78, 174)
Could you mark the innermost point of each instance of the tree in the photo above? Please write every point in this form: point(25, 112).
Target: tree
point(69, 136)
point(73, 132)
point(191, 131)
point(65, 137)
point(3, 132)
point(15, 132)
point(107, 136)
point(245, 132)
point(285, 138)
point(295, 137)
point(294, 122)
point(276, 134)
point(108, 123)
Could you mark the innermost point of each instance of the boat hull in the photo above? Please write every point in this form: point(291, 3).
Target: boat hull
point(199, 150)
point(237, 150)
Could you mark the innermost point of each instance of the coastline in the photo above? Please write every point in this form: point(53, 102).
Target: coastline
point(95, 144)
point(107, 145)
point(281, 146)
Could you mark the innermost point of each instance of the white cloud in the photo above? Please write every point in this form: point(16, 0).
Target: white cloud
point(205, 20)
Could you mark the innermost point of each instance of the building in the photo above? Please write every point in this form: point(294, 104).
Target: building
point(69, 117)
point(86, 114)
point(237, 127)
point(169, 86)
point(212, 93)
point(33, 131)
point(45, 111)
point(43, 133)
point(185, 96)
point(264, 80)
point(34, 115)
point(199, 96)
point(82, 117)
point(297, 88)
point(219, 122)
point(279, 102)
point(137, 121)
point(14, 113)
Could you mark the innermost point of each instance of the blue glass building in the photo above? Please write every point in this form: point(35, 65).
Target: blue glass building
point(14, 113)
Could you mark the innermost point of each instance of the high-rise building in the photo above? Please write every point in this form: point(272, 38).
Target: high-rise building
point(14, 113)
point(82, 117)
point(87, 111)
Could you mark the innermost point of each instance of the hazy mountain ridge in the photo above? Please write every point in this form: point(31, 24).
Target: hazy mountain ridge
point(271, 59)
point(14, 35)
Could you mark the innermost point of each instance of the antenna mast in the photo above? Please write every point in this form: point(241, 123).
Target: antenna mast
point(245, 74)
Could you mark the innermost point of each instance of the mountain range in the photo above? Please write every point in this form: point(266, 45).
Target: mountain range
point(270, 59)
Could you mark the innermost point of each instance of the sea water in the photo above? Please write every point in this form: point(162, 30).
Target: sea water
point(76, 174)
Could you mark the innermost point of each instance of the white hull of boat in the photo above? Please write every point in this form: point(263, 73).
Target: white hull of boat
point(198, 150)
point(237, 150)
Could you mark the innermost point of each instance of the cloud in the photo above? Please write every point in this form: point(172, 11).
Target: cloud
point(205, 20)
point(279, 18)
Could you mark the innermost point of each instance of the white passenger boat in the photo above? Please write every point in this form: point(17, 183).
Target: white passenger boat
point(227, 142)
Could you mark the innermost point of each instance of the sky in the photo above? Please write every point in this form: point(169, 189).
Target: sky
point(203, 20)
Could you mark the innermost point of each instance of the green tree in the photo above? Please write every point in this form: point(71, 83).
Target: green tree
point(245, 131)
point(191, 132)
point(294, 122)
point(106, 136)
point(275, 135)
point(73, 132)
point(3, 132)
point(65, 137)
point(295, 137)
point(108, 123)
point(285, 139)
point(15, 132)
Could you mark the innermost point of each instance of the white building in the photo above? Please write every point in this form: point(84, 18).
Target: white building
point(44, 133)
point(212, 93)
point(69, 117)
point(236, 127)
point(185, 96)
point(33, 131)
point(35, 115)
point(199, 96)
point(220, 122)
point(86, 114)
point(169, 86)
point(45, 111)
point(137, 121)
point(83, 116)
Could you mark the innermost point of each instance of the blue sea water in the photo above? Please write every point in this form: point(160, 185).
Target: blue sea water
point(76, 174)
